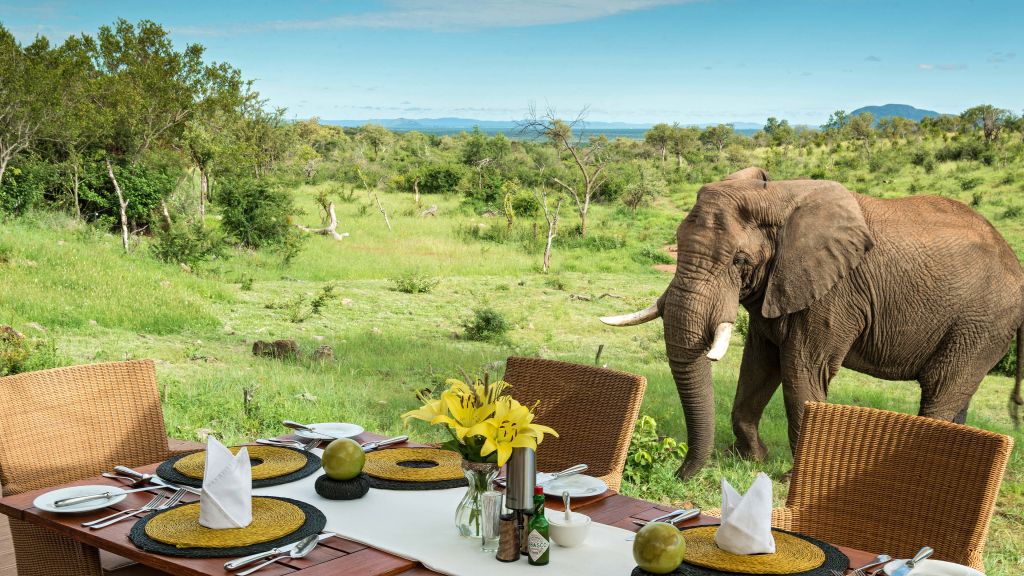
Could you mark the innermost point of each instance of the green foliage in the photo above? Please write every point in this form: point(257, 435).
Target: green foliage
point(1012, 212)
point(440, 178)
point(25, 185)
point(1007, 365)
point(187, 243)
point(969, 183)
point(414, 283)
point(652, 255)
point(255, 213)
point(19, 353)
point(742, 322)
point(485, 325)
point(648, 450)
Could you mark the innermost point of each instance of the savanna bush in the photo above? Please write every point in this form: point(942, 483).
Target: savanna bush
point(485, 325)
point(652, 255)
point(440, 178)
point(414, 283)
point(255, 213)
point(187, 243)
point(26, 184)
point(1007, 366)
point(19, 353)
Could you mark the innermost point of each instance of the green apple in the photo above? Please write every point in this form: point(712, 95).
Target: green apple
point(659, 548)
point(343, 459)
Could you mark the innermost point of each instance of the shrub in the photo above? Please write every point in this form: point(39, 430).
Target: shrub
point(485, 325)
point(648, 451)
point(1013, 212)
point(976, 199)
point(652, 255)
point(440, 178)
point(414, 283)
point(969, 183)
point(525, 204)
point(256, 214)
point(26, 184)
point(21, 354)
point(742, 322)
point(187, 243)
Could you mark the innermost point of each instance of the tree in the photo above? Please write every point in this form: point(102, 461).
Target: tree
point(659, 137)
point(149, 89)
point(833, 128)
point(376, 137)
point(860, 128)
point(684, 140)
point(551, 217)
point(647, 186)
point(896, 128)
point(717, 137)
point(586, 157)
point(24, 95)
point(779, 132)
point(987, 118)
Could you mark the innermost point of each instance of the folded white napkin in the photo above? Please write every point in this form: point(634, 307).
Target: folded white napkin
point(747, 520)
point(226, 501)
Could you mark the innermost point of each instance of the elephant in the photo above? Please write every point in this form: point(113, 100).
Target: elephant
point(916, 288)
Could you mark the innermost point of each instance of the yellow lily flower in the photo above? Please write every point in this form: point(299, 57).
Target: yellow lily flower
point(430, 410)
point(464, 410)
point(511, 427)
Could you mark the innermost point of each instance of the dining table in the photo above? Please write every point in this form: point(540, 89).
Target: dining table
point(334, 555)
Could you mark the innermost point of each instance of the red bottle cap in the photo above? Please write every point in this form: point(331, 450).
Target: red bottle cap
point(538, 490)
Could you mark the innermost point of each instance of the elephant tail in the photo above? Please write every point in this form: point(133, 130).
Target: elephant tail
point(1015, 399)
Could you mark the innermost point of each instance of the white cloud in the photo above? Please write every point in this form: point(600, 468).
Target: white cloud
point(942, 67)
point(449, 15)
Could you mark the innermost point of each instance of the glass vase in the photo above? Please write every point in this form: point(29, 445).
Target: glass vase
point(467, 515)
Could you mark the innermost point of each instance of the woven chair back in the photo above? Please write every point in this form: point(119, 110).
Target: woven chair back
point(593, 409)
point(65, 424)
point(891, 482)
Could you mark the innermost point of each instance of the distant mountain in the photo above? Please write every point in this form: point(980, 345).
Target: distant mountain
point(510, 127)
point(896, 111)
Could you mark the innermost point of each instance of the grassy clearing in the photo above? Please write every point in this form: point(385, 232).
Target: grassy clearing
point(387, 343)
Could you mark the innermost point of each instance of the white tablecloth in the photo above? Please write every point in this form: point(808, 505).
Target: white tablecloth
point(420, 525)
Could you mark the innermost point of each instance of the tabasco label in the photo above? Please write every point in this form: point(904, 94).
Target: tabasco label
point(537, 545)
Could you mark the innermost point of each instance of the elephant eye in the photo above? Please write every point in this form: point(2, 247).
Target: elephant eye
point(739, 260)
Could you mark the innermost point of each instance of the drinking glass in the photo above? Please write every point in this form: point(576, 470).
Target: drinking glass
point(490, 520)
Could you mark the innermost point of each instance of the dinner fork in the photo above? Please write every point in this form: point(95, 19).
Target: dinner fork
point(174, 499)
point(151, 505)
point(862, 571)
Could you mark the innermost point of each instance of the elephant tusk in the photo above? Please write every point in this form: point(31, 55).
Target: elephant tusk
point(722, 335)
point(645, 315)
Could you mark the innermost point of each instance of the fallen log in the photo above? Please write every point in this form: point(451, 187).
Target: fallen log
point(331, 229)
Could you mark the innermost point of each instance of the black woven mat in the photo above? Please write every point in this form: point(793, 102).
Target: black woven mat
point(314, 524)
point(167, 471)
point(834, 561)
point(386, 484)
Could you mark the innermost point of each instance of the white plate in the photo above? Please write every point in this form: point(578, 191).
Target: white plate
point(45, 501)
point(333, 430)
point(931, 567)
point(578, 486)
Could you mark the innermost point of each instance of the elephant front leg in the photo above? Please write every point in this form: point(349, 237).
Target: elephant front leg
point(804, 380)
point(760, 376)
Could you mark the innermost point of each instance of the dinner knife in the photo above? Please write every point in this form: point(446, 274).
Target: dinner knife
point(108, 495)
point(673, 518)
point(156, 480)
point(239, 562)
point(910, 564)
point(309, 429)
point(371, 446)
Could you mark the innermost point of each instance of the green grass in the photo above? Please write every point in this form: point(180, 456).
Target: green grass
point(98, 304)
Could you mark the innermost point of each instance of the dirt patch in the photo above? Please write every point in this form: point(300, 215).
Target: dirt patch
point(669, 268)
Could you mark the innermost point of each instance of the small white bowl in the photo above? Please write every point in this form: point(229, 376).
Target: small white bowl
point(568, 534)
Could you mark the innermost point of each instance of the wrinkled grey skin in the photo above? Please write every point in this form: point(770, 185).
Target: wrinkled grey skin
point(919, 288)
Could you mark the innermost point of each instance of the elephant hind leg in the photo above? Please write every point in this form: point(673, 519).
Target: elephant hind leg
point(952, 377)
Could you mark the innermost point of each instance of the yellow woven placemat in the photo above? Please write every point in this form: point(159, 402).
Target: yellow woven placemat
point(792, 555)
point(272, 462)
point(384, 464)
point(271, 519)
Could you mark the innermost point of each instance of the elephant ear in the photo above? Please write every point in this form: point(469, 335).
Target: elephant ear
point(821, 241)
point(752, 173)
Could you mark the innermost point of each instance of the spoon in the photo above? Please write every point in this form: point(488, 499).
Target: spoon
point(302, 548)
point(565, 501)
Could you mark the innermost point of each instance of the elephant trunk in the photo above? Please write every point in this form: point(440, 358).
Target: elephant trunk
point(693, 383)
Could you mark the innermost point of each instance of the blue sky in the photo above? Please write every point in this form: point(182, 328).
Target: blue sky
point(628, 60)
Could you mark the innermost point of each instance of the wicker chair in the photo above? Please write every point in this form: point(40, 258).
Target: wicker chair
point(593, 410)
point(891, 482)
point(65, 424)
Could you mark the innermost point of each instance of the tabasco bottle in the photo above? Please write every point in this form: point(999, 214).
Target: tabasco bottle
point(538, 542)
